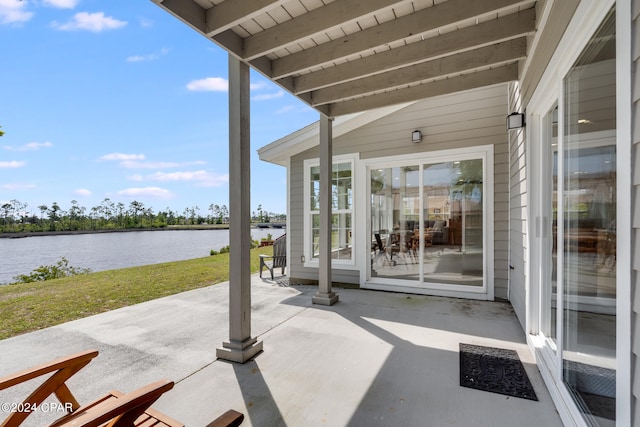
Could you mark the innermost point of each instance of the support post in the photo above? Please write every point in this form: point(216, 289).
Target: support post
point(325, 295)
point(241, 347)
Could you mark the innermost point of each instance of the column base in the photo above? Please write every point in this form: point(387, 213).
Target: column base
point(325, 298)
point(239, 351)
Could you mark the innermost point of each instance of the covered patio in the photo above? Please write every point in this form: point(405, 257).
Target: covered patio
point(457, 69)
point(375, 359)
point(344, 57)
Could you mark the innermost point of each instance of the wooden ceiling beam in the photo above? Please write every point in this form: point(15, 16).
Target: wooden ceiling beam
point(498, 54)
point(314, 22)
point(505, 73)
point(230, 13)
point(425, 20)
point(189, 12)
point(501, 29)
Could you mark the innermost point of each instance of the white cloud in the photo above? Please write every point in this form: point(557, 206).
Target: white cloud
point(18, 186)
point(268, 96)
point(13, 12)
point(95, 22)
point(132, 164)
point(146, 23)
point(210, 84)
point(286, 109)
point(12, 164)
point(122, 156)
point(146, 192)
point(82, 192)
point(147, 57)
point(201, 178)
point(29, 146)
point(257, 86)
point(62, 4)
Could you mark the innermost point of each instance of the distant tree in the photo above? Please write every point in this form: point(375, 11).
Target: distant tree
point(6, 213)
point(1, 132)
point(260, 218)
point(224, 212)
point(43, 209)
point(53, 215)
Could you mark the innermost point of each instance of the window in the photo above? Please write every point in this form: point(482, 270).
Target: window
point(341, 211)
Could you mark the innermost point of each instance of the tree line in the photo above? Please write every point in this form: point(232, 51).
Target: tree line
point(109, 215)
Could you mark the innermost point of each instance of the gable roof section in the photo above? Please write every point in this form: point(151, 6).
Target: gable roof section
point(281, 150)
point(348, 56)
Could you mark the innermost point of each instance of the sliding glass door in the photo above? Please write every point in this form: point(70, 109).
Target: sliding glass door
point(577, 231)
point(428, 223)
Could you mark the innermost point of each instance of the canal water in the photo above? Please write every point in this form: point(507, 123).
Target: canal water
point(108, 251)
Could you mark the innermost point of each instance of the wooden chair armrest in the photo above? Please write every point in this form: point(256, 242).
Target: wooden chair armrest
point(81, 358)
point(117, 409)
point(230, 418)
point(63, 368)
point(265, 256)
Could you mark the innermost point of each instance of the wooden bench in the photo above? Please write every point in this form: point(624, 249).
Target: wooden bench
point(279, 257)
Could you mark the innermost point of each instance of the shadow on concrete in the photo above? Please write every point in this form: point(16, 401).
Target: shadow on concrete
point(258, 398)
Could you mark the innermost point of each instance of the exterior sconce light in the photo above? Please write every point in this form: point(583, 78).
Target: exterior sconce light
point(515, 121)
point(416, 136)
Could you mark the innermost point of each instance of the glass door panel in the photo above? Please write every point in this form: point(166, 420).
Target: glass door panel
point(549, 232)
point(452, 231)
point(395, 213)
point(589, 206)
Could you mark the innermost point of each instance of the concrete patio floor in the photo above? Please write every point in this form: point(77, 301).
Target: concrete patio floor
point(373, 359)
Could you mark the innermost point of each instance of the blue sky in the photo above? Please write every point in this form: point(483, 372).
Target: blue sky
point(118, 99)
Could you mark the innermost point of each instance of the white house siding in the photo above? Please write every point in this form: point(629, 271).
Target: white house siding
point(458, 120)
point(635, 279)
point(518, 211)
point(558, 18)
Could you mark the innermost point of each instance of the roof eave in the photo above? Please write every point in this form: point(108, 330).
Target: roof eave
point(279, 151)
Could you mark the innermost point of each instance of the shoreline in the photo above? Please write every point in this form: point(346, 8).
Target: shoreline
point(25, 234)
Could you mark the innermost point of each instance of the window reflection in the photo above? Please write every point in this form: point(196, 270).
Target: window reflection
point(341, 207)
point(589, 206)
point(433, 233)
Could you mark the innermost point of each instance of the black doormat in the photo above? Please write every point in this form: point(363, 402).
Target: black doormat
point(494, 369)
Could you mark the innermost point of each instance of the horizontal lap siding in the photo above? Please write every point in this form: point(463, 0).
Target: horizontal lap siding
point(559, 17)
point(517, 212)
point(458, 120)
point(635, 238)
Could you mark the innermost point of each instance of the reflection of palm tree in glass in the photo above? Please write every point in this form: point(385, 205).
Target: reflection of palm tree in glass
point(466, 193)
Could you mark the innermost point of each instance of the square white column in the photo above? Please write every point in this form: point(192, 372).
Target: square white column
point(241, 347)
point(325, 295)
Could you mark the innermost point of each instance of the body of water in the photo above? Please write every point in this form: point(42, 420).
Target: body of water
point(108, 251)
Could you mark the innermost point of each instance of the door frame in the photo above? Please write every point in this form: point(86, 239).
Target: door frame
point(486, 292)
point(586, 20)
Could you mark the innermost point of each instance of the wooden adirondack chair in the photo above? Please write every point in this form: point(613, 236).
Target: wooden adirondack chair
point(279, 257)
point(114, 409)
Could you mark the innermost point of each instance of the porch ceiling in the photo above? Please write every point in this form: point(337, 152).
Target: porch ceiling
point(345, 56)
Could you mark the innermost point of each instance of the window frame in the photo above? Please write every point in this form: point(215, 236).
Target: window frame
point(309, 261)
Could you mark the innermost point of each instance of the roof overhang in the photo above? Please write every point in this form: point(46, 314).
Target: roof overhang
point(347, 56)
point(280, 151)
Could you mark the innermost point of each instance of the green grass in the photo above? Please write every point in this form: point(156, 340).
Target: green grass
point(31, 306)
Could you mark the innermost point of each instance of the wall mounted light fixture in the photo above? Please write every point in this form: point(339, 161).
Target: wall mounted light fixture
point(515, 121)
point(416, 136)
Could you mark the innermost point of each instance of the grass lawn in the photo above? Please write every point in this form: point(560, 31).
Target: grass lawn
point(31, 306)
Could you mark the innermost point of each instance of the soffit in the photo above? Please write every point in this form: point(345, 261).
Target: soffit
point(346, 56)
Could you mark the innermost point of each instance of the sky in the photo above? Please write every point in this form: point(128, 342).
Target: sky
point(118, 99)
